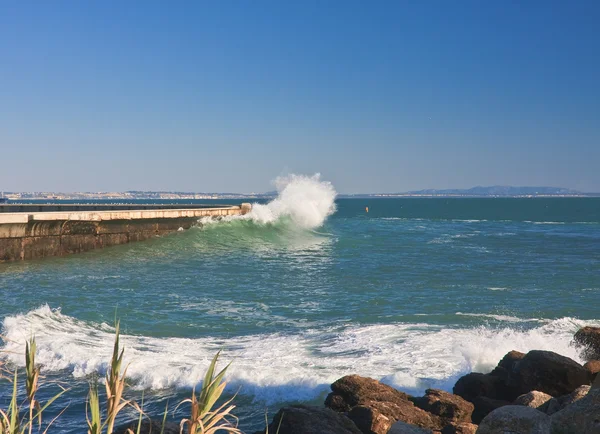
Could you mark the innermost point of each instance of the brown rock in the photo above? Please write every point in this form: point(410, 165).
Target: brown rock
point(404, 411)
point(304, 419)
point(516, 419)
point(353, 390)
point(582, 417)
point(533, 399)
point(594, 367)
point(369, 420)
point(461, 428)
point(484, 406)
point(551, 373)
point(589, 339)
point(452, 408)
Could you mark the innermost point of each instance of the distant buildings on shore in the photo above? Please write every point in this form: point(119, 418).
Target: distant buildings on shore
point(127, 195)
point(494, 191)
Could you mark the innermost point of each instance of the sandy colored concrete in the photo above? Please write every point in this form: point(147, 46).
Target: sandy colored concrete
point(37, 235)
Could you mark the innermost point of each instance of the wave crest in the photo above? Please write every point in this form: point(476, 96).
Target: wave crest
point(306, 201)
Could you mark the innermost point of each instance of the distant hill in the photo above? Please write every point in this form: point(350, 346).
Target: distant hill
point(501, 190)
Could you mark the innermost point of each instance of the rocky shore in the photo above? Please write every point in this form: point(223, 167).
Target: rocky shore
point(540, 392)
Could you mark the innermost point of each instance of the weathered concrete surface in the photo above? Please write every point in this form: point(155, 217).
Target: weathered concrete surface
point(49, 207)
point(37, 235)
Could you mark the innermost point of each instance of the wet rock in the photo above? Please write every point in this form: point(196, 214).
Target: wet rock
point(405, 428)
point(472, 385)
point(353, 390)
point(515, 419)
point(460, 428)
point(451, 408)
point(337, 403)
point(588, 338)
point(551, 373)
point(484, 406)
point(304, 419)
point(533, 399)
point(150, 427)
point(581, 417)
point(510, 359)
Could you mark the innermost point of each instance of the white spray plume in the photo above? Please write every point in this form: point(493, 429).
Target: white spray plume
point(306, 200)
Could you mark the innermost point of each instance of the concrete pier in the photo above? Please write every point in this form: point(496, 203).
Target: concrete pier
point(30, 235)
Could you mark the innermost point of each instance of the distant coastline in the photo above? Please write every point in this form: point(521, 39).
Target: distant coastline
point(475, 192)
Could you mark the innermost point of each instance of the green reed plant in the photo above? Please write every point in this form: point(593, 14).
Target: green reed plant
point(114, 385)
point(11, 421)
point(203, 418)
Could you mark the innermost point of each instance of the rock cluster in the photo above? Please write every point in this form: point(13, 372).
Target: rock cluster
point(540, 392)
point(544, 372)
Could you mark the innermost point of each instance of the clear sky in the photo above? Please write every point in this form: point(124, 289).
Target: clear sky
point(378, 96)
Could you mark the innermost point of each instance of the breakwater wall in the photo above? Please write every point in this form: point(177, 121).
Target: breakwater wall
point(31, 235)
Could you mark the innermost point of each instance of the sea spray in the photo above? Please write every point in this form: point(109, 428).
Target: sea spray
point(305, 201)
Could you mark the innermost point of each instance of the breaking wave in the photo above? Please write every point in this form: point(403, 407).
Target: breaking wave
point(281, 367)
point(305, 201)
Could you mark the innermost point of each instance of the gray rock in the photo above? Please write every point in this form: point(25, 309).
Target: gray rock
point(460, 428)
point(581, 417)
point(551, 407)
point(405, 428)
point(305, 419)
point(533, 399)
point(515, 419)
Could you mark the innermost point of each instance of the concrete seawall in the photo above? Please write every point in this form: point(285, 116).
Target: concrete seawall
point(26, 235)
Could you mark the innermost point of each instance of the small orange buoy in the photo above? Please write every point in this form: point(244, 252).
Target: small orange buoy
point(367, 209)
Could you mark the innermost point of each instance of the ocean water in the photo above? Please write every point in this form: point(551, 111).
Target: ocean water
point(306, 289)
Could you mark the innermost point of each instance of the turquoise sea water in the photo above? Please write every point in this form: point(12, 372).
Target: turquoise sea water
point(415, 292)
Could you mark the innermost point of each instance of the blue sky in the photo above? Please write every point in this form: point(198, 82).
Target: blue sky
point(225, 96)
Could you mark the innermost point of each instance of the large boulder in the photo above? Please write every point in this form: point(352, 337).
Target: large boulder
point(588, 338)
point(353, 390)
point(451, 408)
point(551, 373)
point(460, 428)
point(373, 417)
point(533, 399)
point(304, 419)
point(581, 417)
point(405, 428)
point(515, 419)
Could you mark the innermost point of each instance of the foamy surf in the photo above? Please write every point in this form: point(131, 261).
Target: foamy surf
point(305, 201)
point(282, 367)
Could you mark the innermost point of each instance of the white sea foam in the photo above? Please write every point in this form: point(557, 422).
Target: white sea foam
point(306, 200)
point(504, 318)
point(277, 367)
